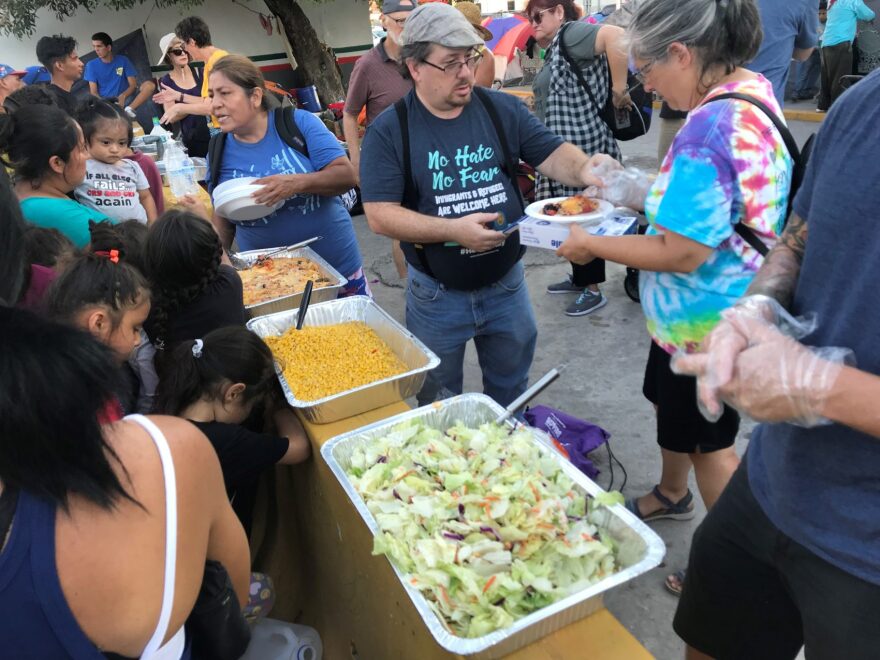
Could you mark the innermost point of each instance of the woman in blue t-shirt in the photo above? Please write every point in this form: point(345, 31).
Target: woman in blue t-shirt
point(308, 186)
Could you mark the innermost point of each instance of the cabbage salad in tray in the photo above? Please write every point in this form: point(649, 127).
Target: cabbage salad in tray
point(485, 524)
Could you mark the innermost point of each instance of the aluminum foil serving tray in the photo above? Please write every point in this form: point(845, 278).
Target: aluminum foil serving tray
point(419, 360)
point(291, 301)
point(640, 548)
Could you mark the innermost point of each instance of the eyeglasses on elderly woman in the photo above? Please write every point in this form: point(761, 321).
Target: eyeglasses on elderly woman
point(642, 74)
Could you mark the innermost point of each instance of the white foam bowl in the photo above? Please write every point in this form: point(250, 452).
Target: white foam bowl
point(234, 201)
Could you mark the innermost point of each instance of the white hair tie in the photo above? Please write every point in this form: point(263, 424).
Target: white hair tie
point(198, 345)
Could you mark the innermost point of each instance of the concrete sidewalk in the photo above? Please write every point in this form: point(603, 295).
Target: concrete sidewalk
point(605, 356)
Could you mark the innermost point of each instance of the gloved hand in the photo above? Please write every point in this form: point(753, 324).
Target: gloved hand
point(622, 187)
point(721, 348)
point(772, 377)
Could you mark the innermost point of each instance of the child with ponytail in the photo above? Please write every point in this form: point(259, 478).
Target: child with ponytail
point(104, 294)
point(195, 290)
point(216, 382)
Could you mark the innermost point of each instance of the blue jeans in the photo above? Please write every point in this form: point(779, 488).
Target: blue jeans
point(498, 317)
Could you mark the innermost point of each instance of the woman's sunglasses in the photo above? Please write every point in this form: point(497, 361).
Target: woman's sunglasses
point(177, 51)
point(537, 17)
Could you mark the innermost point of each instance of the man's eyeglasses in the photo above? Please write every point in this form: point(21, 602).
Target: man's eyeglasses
point(177, 51)
point(453, 68)
point(537, 17)
point(399, 21)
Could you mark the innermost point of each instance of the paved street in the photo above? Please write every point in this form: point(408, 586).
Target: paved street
point(604, 355)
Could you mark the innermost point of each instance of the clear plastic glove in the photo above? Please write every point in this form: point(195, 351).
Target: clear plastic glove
point(722, 346)
point(773, 377)
point(622, 187)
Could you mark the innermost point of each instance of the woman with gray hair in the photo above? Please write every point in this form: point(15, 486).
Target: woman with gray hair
point(727, 168)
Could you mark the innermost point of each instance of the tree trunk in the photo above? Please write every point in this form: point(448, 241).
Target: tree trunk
point(316, 60)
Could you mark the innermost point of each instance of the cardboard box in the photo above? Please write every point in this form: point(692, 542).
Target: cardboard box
point(550, 235)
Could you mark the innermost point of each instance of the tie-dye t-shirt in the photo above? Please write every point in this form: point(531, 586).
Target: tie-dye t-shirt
point(727, 164)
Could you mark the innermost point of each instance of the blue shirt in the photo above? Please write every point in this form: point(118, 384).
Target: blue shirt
point(301, 216)
point(69, 217)
point(842, 17)
point(457, 170)
point(111, 78)
point(787, 24)
point(821, 486)
point(35, 617)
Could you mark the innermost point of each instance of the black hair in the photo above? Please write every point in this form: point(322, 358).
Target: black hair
point(99, 277)
point(193, 27)
point(46, 246)
point(14, 270)
point(129, 237)
point(31, 137)
point(30, 95)
point(92, 111)
point(56, 382)
point(103, 37)
point(182, 257)
point(54, 48)
point(228, 355)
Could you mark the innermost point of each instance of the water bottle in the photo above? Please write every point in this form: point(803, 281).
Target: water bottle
point(158, 130)
point(279, 640)
point(180, 170)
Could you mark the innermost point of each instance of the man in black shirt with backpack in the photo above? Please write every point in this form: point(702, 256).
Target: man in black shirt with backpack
point(438, 172)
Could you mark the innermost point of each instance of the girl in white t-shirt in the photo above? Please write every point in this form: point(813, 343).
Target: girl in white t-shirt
point(113, 185)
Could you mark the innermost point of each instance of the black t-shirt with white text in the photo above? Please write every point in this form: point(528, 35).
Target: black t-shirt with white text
point(457, 169)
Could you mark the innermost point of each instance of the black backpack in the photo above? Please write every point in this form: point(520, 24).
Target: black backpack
point(638, 117)
point(415, 254)
point(287, 130)
point(799, 157)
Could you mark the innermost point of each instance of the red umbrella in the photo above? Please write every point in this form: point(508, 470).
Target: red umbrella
point(514, 38)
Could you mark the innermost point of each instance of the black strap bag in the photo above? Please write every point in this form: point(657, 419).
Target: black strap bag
point(625, 124)
point(799, 157)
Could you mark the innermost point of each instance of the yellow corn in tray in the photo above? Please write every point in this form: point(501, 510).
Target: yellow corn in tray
point(318, 361)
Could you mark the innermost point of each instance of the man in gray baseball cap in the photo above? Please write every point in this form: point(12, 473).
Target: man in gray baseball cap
point(438, 173)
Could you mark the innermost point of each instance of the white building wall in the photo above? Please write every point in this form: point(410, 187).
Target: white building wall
point(342, 24)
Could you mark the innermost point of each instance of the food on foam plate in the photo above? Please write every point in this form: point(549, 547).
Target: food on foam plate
point(322, 360)
point(575, 205)
point(485, 525)
point(273, 277)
